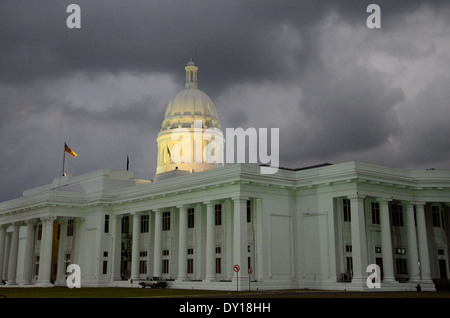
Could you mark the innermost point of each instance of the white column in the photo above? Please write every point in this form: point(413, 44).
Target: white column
point(182, 243)
point(157, 257)
point(2, 249)
point(386, 242)
point(61, 270)
point(77, 257)
point(135, 247)
point(210, 242)
point(45, 252)
point(28, 255)
point(423, 243)
point(413, 255)
point(359, 241)
point(116, 227)
point(13, 253)
point(240, 239)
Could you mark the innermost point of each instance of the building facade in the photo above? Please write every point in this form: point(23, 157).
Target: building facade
point(317, 227)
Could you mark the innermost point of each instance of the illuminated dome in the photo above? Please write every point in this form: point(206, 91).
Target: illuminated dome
point(190, 112)
point(190, 104)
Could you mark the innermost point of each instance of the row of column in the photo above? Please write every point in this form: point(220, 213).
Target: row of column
point(417, 242)
point(45, 251)
point(239, 247)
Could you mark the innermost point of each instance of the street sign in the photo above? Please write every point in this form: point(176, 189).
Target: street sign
point(236, 268)
point(250, 270)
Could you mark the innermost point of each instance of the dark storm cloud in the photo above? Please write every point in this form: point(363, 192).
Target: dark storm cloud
point(297, 65)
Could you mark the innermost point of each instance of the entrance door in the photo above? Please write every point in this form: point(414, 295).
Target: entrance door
point(379, 262)
point(443, 270)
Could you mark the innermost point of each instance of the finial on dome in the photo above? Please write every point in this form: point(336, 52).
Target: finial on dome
point(191, 62)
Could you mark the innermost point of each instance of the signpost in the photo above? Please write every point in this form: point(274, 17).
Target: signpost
point(236, 269)
point(250, 271)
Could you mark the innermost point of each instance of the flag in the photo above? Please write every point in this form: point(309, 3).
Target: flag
point(70, 151)
point(168, 151)
point(128, 162)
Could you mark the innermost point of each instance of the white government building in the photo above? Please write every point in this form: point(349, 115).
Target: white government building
point(316, 227)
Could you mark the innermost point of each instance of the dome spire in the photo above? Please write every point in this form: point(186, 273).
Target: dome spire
point(191, 74)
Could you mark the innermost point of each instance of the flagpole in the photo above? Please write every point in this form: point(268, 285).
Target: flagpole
point(64, 159)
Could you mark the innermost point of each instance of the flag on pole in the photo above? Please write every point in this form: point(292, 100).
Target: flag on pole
point(70, 151)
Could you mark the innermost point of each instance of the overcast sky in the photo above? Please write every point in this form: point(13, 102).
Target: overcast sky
point(337, 90)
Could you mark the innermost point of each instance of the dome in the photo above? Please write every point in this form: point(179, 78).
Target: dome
point(189, 105)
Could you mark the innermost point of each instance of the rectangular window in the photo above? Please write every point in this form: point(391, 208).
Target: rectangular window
point(190, 251)
point(218, 250)
point(106, 227)
point(70, 227)
point(397, 215)
point(142, 267)
point(165, 265)
point(349, 262)
point(348, 248)
point(249, 211)
point(190, 218)
point(39, 232)
point(125, 225)
point(190, 266)
point(218, 214)
point(375, 206)
point(401, 266)
point(144, 223)
point(436, 216)
point(218, 265)
point(143, 253)
point(166, 221)
point(346, 210)
point(165, 252)
point(105, 267)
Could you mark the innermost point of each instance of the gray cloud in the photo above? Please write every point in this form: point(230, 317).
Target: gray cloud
point(337, 90)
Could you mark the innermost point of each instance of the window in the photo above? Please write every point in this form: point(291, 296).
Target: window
point(144, 223)
point(190, 218)
point(125, 225)
point(375, 212)
point(377, 249)
point(143, 267)
point(348, 248)
point(39, 232)
point(190, 251)
point(346, 210)
point(400, 251)
point(397, 215)
point(218, 214)
point(249, 211)
point(105, 267)
point(165, 252)
point(218, 265)
point(106, 227)
point(190, 266)
point(166, 221)
point(218, 250)
point(165, 265)
point(105, 254)
point(70, 227)
point(349, 263)
point(401, 266)
point(436, 216)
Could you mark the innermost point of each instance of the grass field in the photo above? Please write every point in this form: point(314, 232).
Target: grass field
point(64, 292)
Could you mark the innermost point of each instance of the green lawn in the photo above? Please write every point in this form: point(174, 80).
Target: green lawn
point(64, 292)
